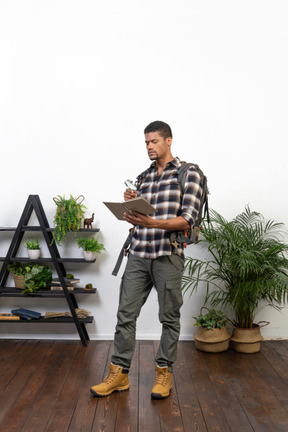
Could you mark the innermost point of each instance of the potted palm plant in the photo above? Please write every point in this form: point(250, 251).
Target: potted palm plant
point(91, 247)
point(247, 268)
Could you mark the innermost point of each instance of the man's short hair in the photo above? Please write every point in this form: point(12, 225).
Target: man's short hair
point(161, 127)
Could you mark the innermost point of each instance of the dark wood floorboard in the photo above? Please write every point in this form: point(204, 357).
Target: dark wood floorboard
point(44, 387)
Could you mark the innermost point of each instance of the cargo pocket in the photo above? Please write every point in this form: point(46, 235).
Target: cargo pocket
point(169, 310)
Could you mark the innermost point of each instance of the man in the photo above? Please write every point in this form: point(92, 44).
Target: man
point(154, 261)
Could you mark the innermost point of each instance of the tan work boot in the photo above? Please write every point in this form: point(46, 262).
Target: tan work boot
point(163, 383)
point(117, 380)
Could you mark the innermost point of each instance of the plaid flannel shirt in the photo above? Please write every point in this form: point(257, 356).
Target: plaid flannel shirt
point(164, 193)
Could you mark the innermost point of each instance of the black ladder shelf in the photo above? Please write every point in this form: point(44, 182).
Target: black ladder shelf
point(34, 203)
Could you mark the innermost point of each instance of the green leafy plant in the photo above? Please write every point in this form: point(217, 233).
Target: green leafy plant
point(90, 244)
point(35, 275)
point(248, 266)
point(32, 244)
point(69, 214)
point(17, 268)
point(89, 286)
point(212, 319)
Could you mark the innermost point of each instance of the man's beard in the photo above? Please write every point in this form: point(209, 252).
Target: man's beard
point(153, 157)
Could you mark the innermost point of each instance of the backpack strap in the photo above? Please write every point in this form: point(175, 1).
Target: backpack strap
point(181, 173)
point(141, 176)
point(125, 248)
point(124, 252)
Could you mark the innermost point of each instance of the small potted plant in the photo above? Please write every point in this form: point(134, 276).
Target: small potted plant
point(90, 247)
point(33, 248)
point(69, 214)
point(18, 271)
point(211, 334)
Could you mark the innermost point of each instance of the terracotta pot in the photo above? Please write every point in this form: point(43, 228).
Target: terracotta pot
point(247, 340)
point(214, 340)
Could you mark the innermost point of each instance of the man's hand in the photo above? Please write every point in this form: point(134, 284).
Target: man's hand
point(139, 219)
point(129, 194)
point(175, 224)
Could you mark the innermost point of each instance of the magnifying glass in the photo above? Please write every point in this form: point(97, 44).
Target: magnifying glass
point(130, 185)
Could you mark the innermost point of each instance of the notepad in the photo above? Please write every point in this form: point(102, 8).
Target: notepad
point(138, 204)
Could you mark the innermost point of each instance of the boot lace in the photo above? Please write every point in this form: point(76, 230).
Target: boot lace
point(111, 377)
point(161, 378)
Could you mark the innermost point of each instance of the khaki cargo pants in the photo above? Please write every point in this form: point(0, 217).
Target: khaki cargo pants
point(141, 274)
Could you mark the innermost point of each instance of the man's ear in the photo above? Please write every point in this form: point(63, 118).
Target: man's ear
point(169, 141)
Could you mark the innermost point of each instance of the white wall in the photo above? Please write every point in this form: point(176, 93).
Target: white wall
point(79, 81)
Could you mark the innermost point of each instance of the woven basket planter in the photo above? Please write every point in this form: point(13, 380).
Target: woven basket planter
point(19, 281)
point(213, 341)
point(247, 341)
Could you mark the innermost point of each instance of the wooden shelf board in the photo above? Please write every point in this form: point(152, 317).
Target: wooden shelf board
point(42, 320)
point(43, 260)
point(48, 229)
point(15, 292)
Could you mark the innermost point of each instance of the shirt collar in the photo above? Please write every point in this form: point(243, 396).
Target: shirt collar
point(176, 162)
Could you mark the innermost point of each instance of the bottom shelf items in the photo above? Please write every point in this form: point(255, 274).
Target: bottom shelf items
point(62, 320)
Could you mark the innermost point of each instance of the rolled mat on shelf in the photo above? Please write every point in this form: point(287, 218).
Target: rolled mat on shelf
point(81, 313)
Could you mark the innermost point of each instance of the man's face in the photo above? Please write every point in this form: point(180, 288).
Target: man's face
point(157, 146)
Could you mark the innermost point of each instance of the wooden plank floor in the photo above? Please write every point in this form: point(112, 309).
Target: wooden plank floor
point(44, 386)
